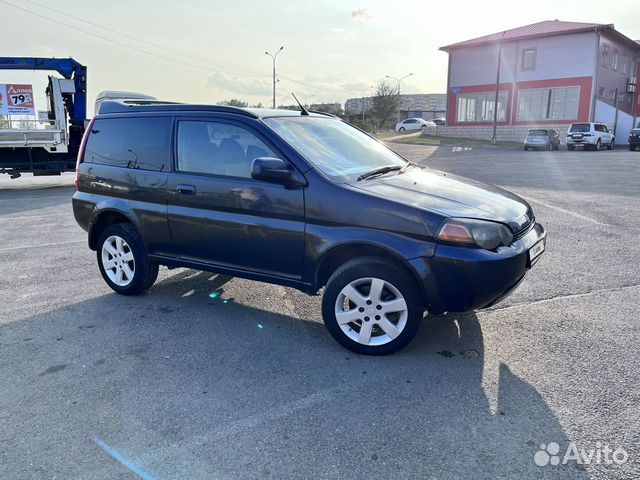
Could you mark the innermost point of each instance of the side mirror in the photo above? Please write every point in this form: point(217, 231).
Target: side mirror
point(274, 170)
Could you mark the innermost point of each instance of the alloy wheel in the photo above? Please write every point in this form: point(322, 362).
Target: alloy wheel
point(371, 311)
point(117, 260)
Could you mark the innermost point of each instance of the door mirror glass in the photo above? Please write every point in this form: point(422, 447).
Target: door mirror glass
point(270, 169)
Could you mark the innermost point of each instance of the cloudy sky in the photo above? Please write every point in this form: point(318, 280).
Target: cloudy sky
point(207, 51)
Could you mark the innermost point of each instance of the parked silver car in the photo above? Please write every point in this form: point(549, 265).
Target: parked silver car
point(542, 138)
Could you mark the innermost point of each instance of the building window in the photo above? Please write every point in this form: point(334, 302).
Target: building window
point(528, 59)
point(612, 94)
point(614, 60)
point(548, 104)
point(625, 64)
point(479, 107)
point(604, 57)
point(601, 91)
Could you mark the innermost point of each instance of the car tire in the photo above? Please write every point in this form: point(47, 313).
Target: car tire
point(401, 129)
point(571, 147)
point(526, 149)
point(123, 261)
point(611, 145)
point(632, 147)
point(549, 146)
point(598, 145)
point(391, 314)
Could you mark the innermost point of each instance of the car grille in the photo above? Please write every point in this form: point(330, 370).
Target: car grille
point(526, 226)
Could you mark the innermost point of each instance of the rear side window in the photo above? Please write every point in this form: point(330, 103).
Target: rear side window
point(141, 143)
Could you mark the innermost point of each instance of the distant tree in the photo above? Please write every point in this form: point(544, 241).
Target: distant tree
point(258, 105)
point(235, 102)
point(385, 103)
point(4, 122)
point(332, 108)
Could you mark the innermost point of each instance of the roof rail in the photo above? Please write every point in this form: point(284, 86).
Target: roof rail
point(130, 106)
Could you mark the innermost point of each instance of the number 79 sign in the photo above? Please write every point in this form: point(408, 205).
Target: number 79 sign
point(18, 99)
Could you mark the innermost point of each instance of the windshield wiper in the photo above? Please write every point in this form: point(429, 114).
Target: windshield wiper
point(380, 171)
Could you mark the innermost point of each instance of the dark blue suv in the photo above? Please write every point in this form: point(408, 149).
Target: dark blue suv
point(298, 199)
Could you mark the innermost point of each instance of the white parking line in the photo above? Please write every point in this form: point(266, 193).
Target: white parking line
point(41, 245)
point(22, 217)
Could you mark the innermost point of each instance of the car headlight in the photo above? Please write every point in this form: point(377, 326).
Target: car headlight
point(484, 234)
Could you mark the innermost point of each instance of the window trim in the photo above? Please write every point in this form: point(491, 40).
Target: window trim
point(549, 103)
point(227, 121)
point(492, 93)
point(604, 55)
point(535, 58)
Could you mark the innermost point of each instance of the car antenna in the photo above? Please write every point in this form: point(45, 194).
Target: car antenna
point(303, 111)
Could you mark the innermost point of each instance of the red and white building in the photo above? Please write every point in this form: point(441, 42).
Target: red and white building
point(552, 74)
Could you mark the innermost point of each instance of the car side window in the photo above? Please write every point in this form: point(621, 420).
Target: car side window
point(218, 148)
point(141, 143)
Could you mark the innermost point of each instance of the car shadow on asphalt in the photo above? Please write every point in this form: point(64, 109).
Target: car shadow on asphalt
point(189, 385)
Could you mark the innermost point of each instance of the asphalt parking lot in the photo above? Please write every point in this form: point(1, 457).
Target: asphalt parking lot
point(177, 384)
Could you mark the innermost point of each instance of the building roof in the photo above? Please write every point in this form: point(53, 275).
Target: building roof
point(540, 29)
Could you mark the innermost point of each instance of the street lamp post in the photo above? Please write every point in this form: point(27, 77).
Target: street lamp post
point(398, 80)
point(273, 57)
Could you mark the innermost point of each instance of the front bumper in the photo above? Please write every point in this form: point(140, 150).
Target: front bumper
point(460, 279)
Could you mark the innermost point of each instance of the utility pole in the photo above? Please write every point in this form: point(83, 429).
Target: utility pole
point(495, 102)
point(398, 80)
point(273, 57)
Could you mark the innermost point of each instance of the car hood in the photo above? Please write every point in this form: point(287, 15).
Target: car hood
point(451, 196)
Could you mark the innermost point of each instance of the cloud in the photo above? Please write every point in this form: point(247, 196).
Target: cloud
point(234, 85)
point(361, 15)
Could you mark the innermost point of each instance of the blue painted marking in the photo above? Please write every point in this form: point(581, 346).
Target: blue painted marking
point(124, 461)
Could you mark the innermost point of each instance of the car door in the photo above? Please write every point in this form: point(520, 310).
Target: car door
point(607, 135)
point(218, 214)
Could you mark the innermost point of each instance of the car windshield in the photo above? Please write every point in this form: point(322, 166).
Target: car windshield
point(339, 150)
point(538, 133)
point(580, 127)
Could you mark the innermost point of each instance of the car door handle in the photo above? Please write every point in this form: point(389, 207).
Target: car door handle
point(186, 189)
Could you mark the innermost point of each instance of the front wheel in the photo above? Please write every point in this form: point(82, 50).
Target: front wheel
point(371, 306)
point(612, 145)
point(598, 145)
point(401, 129)
point(571, 147)
point(123, 261)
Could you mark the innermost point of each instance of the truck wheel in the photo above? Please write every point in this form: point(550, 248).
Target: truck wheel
point(123, 261)
point(371, 306)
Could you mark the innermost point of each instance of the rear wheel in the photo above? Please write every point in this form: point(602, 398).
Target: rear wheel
point(123, 260)
point(371, 306)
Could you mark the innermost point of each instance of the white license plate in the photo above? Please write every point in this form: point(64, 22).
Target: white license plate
point(536, 250)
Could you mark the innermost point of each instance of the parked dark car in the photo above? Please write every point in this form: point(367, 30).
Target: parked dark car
point(306, 201)
point(634, 139)
point(542, 139)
